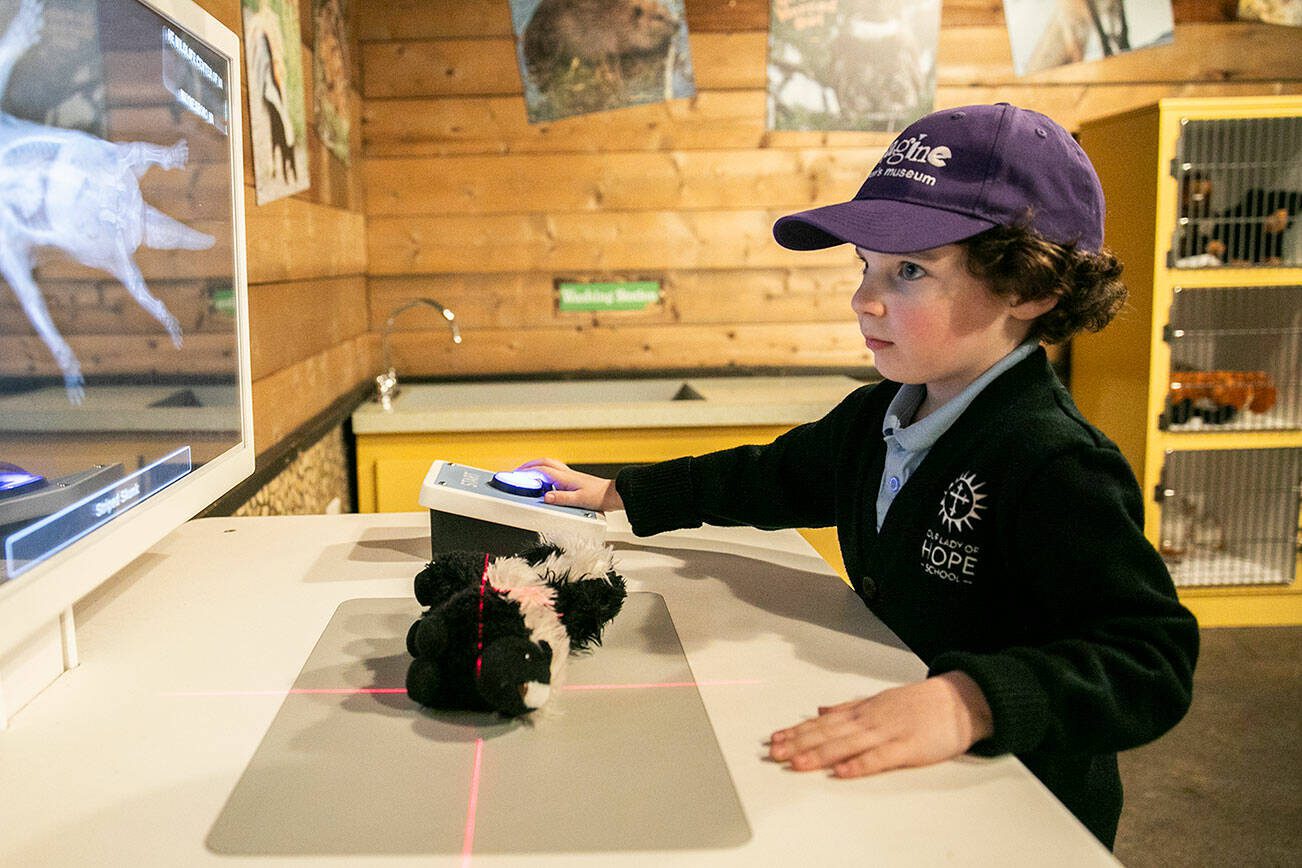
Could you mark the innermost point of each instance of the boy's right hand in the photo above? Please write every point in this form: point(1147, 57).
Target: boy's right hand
point(574, 488)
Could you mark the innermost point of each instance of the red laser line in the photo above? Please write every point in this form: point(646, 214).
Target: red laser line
point(479, 648)
point(468, 839)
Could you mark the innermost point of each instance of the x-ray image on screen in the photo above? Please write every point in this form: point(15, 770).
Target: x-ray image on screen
point(118, 337)
point(68, 189)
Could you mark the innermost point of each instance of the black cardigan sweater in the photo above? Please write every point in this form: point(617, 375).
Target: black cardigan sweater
point(1014, 553)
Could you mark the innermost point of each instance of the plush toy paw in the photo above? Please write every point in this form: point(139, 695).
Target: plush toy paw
point(498, 631)
point(428, 637)
point(423, 681)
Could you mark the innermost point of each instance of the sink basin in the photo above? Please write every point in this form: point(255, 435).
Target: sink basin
point(667, 402)
point(124, 408)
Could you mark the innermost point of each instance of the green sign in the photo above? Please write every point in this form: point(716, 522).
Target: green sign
point(223, 301)
point(614, 295)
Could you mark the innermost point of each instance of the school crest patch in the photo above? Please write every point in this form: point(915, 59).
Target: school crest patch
point(961, 506)
point(955, 558)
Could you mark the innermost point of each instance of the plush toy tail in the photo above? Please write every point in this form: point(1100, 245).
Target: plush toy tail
point(563, 558)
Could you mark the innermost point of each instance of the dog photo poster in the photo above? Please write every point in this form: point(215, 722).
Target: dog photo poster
point(1046, 34)
point(273, 60)
point(582, 56)
point(1288, 12)
point(851, 64)
point(330, 75)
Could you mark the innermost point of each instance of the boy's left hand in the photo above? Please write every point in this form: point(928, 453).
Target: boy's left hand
point(914, 725)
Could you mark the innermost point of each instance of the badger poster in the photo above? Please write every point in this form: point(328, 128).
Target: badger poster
point(851, 64)
point(581, 56)
point(273, 61)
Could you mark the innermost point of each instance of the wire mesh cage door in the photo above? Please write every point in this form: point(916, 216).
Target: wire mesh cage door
point(1239, 184)
point(1230, 517)
point(1236, 359)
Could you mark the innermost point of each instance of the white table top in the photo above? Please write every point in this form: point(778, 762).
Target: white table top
point(120, 763)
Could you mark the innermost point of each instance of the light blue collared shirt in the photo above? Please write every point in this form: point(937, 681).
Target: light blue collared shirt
point(908, 442)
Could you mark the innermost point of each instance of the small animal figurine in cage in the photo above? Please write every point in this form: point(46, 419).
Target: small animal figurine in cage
point(1217, 397)
point(1252, 232)
point(1188, 529)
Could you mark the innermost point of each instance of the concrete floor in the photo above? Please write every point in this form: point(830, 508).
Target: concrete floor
point(1225, 786)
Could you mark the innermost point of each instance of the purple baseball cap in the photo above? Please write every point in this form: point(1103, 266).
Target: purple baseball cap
point(958, 172)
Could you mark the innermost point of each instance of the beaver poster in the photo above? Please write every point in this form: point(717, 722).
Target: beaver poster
point(581, 56)
point(851, 64)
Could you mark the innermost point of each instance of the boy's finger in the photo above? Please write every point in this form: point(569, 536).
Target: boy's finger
point(549, 463)
point(829, 753)
point(883, 757)
point(804, 739)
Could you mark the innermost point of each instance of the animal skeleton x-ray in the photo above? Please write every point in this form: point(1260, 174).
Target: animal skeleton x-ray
point(81, 194)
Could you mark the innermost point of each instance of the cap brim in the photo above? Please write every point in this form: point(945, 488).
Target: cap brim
point(884, 225)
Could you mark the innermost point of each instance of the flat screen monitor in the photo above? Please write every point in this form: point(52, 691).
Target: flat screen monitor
point(125, 398)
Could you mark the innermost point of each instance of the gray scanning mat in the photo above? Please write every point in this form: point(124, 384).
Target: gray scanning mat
point(626, 761)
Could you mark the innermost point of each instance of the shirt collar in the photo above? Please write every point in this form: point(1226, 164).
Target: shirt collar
point(915, 436)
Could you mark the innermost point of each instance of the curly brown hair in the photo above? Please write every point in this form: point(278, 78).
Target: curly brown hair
point(1020, 264)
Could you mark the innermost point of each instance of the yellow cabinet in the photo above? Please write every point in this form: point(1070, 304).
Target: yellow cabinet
point(1197, 380)
point(391, 467)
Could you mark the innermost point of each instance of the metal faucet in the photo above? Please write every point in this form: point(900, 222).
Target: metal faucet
point(386, 384)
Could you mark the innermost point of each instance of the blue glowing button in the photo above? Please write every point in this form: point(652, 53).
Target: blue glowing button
point(14, 480)
point(524, 483)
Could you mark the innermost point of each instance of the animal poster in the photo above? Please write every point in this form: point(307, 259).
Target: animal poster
point(1272, 11)
point(583, 56)
point(330, 74)
point(273, 59)
point(851, 64)
point(1049, 33)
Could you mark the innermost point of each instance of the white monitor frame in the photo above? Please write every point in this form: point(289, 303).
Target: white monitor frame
point(36, 607)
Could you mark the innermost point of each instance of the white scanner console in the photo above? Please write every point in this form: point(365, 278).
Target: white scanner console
point(502, 513)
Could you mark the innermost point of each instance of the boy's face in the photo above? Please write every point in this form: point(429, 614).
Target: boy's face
point(928, 320)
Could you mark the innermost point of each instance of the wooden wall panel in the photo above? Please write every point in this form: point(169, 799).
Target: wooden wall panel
point(563, 242)
point(619, 181)
point(633, 348)
point(290, 397)
point(309, 329)
point(524, 299)
point(468, 203)
point(303, 318)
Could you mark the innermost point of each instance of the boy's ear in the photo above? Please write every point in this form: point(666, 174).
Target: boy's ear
point(1034, 307)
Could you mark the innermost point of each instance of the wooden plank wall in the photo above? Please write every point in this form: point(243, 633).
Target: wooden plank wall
point(309, 328)
point(468, 203)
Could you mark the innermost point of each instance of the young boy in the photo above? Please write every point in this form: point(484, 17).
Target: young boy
point(979, 515)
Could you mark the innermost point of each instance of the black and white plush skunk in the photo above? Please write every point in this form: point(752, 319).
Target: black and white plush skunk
point(498, 630)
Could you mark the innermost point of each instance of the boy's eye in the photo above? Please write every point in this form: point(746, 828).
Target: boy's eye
point(911, 271)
